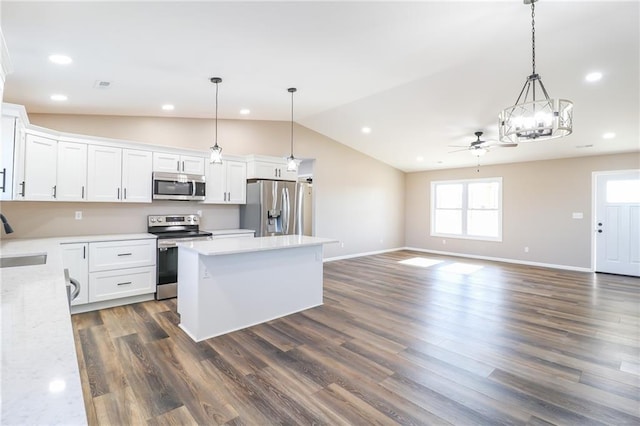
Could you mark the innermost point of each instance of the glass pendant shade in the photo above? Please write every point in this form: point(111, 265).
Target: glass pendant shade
point(478, 152)
point(215, 156)
point(534, 119)
point(292, 164)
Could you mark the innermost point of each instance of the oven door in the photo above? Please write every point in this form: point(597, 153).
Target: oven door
point(167, 263)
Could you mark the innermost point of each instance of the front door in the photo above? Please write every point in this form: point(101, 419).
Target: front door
point(617, 227)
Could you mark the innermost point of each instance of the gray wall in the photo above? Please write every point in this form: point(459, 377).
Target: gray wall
point(538, 201)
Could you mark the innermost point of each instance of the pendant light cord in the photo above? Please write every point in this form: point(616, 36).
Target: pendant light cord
point(292, 92)
point(216, 140)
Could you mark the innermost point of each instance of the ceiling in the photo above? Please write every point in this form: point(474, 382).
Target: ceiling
point(421, 75)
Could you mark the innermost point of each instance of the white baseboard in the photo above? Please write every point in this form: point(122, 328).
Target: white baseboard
point(87, 307)
point(369, 253)
point(500, 259)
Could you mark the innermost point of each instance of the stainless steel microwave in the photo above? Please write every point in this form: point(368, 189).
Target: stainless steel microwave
point(178, 186)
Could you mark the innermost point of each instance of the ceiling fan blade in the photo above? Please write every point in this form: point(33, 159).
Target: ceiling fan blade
point(458, 150)
point(507, 145)
point(458, 146)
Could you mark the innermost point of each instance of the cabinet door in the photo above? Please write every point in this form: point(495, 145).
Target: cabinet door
point(6, 166)
point(136, 176)
point(104, 173)
point(285, 175)
point(216, 183)
point(75, 259)
point(192, 165)
point(40, 168)
point(265, 170)
point(165, 162)
point(72, 171)
point(236, 182)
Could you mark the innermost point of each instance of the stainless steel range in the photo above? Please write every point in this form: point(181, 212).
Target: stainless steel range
point(171, 229)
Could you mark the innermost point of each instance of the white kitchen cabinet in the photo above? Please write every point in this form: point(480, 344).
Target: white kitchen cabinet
point(71, 176)
point(104, 173)
point(136, 176)
point(115, 284)
point(40, 168)
point(226, 182)
point(175, 163)
point(108, 255)
point(274, 168)
point(120, 269)
point(9, 128)
point(118, 175)
point(75, 258)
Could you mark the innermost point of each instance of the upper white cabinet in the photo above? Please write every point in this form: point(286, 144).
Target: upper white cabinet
point(174, 163)
point(136, 176)
point(119, 175)
point(104, 173)
point(274, 168)
point(71, 175)
point(226, 182)
point(12, 141)
point(40, 169)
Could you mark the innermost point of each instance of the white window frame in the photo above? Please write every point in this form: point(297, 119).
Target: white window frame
point(465, 200)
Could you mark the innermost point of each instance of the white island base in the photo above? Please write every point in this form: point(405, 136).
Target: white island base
point(227, 285)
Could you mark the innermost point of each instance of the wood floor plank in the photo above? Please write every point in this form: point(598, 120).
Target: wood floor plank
point(393, 343)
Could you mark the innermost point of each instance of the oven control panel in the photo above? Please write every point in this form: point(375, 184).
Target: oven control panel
point(173, 220)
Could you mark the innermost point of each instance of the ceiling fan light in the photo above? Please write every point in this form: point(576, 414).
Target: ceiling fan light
point(478, 152)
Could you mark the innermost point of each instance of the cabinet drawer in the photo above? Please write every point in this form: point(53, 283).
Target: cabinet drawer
point(109, 285)
point(104, 256)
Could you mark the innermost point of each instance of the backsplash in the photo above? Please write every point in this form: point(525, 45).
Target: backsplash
point(32, 219)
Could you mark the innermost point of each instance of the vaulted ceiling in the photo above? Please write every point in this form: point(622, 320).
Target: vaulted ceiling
point(421, 75)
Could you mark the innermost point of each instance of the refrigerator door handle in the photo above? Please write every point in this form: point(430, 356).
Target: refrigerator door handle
point(286, 210)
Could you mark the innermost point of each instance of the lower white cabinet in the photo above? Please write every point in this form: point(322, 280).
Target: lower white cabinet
point(75, 258)
point(107, 285)
point(108, 255)
point(111, 270)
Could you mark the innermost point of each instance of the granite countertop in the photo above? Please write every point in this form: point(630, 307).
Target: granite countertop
point(227, 246)
point(40, 375)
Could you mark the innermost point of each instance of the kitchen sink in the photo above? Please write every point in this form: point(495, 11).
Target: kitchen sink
point(34, 259)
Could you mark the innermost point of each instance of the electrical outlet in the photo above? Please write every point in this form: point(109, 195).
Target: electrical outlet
point(341, 245)
point(526, 249)
point(78, 215)
point(444, 241)
point(199, 213)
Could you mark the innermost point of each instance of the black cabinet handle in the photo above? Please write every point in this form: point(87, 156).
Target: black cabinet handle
point(124, 254)
point(4, 179)
point(23, 184)
point(125, 283)
point(55, 190)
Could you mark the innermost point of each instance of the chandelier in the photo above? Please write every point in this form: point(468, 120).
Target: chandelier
point(533, 118)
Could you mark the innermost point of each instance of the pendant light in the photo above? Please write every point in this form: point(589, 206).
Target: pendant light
point(292, 164)
point(216, 150)
point(535, 119)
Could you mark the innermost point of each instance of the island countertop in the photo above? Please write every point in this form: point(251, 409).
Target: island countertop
point(245, 245)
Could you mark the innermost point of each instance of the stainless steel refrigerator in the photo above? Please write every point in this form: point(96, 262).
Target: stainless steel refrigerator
point(277, 208)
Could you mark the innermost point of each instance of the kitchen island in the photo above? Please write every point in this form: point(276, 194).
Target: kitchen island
point(229, 284)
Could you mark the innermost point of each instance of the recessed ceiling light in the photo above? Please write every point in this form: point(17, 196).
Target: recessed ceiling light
point(593, 76)
point(59, 97)
point(60, 59)
point(608, 135)
point(245, 111)
point(420, 158)
point(366, 130)
point(168, 107)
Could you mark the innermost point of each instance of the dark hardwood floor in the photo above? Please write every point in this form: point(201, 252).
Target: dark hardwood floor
point(461, 342)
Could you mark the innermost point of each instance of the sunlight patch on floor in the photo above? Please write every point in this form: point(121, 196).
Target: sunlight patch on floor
point(422, 262)
point(461, 268)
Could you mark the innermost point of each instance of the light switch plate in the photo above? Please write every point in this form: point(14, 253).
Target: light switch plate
point(577, 215)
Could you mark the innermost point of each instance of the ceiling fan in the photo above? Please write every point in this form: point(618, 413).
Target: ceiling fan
point(480, 147)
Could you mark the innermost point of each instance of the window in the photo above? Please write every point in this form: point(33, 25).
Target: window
point(467, 209)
